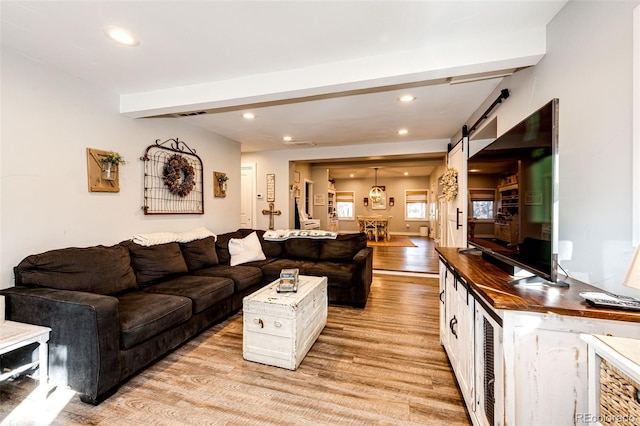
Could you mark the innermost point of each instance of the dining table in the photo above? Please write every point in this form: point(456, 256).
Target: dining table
point(375, 226)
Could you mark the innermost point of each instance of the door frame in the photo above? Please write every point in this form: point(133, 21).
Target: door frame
point(251, 189)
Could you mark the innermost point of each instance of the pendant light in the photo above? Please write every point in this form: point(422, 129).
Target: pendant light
point(376, 192)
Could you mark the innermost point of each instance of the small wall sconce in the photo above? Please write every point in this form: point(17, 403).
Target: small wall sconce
point(366, 201)
point(391, 201)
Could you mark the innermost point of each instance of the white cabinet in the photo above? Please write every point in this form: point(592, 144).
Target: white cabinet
point(472, 339)
point(517, 352)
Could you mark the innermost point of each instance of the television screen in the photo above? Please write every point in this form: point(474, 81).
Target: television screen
point(512, 205)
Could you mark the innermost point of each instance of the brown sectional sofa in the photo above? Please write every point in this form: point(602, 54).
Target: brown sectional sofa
point(114, 310)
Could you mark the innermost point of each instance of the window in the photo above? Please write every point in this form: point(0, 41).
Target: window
point(345, 204)
point(415, 204)
point(482, 203)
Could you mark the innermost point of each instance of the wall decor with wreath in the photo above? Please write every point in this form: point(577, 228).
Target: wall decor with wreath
point(450, 184)
point(172, 179)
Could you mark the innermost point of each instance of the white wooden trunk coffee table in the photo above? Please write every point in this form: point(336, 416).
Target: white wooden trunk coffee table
point(15, 335)
point(280, 328)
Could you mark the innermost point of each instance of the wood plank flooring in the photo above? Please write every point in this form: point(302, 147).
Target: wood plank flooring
point(380, 365)
point(422, 258)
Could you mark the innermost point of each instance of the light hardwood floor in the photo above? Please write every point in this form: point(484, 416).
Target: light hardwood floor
point(379, 365)
point(422, 258)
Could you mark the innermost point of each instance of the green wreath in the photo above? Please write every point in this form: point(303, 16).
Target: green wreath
point(179, 175)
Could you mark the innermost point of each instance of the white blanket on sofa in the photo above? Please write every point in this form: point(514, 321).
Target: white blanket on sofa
point(285, 234)
point(171, 237)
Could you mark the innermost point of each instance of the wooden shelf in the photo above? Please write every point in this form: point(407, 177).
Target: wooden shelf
point(508, 187)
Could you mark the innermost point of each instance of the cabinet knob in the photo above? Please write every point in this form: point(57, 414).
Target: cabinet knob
point(258, 321)
point(278, 324)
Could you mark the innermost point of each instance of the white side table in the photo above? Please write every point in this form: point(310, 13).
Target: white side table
point(15, 335)
point(623, 354)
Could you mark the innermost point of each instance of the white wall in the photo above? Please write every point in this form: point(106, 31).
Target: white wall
point(589, 68)
point(394, 187)
point(48, 120)
point(278, 162)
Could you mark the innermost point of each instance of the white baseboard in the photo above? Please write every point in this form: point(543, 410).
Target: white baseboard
point(405, 274)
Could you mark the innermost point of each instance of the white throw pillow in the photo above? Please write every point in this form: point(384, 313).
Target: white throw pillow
point(247, 249)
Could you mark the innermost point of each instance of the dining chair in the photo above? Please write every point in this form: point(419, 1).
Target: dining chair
point(360, 220)
point(371, 227)
point(385, 230)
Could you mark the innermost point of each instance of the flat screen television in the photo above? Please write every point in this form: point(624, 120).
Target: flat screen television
point(513, 200)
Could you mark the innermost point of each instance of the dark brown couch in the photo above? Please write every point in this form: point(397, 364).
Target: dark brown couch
point(114, 310)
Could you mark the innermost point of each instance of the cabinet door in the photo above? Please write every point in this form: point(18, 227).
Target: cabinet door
point(488, 369)
point(465, 338)
point(451, 319)
point(459, 305)
point(444, 326)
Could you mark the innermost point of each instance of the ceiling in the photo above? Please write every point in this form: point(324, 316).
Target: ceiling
point(325, 72)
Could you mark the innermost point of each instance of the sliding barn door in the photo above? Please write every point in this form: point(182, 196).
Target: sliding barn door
point(457, 209)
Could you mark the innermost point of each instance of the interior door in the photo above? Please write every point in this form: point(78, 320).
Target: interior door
point(457, 209)
point(441, 232)
point(247, 195)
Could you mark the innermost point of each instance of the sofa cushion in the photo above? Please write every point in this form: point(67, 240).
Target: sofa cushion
point(271, 271)
point(144, 315)
point(243, 276)
point(156, 263)
point(200, 253)
point(302, 248)
point(343, 248)
point(339, 274)
point(247, 249)
point(204, 292)
point(98, 269)
point(222, 246)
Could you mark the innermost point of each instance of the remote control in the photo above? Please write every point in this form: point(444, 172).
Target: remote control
point(604, 300)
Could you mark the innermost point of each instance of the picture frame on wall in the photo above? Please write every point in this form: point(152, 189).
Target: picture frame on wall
point(318, 200)
point(271, 187)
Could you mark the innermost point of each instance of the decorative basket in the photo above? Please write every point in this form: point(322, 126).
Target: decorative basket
point(618, 395)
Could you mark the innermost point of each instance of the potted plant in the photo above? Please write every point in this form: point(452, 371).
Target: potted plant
point(110, 162)
point(222, 182)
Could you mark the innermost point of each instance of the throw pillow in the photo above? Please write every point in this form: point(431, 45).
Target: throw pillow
point(156, 263)
point(247, 249)
point(200, 254)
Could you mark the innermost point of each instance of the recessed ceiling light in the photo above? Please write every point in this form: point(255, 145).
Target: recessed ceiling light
point(407, 98)
point(121, 36)
point(248, 116)
point(403, 132)
point(352, 175)
point(287, 138)
point(406, 173)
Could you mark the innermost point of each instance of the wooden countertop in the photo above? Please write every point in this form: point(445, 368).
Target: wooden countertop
point(491, 283)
